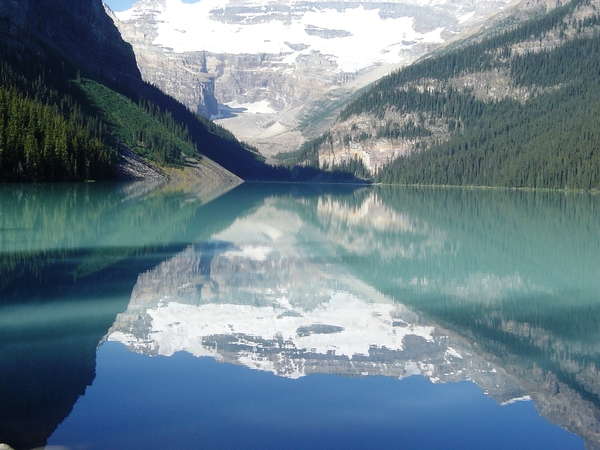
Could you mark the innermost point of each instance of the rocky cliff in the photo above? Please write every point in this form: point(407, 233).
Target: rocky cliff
point(185, 77)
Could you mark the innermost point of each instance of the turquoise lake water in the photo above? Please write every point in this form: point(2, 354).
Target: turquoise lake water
point(269, 316)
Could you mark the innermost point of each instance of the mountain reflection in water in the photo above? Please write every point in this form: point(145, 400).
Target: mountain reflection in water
point(266, 298)
point(500, 288)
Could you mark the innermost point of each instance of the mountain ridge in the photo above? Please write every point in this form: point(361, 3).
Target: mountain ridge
point(275, 63)
point(466, 115)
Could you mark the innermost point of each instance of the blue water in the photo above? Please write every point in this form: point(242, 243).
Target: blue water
point(183, 402)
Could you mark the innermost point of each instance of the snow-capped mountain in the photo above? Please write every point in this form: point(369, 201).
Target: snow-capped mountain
point(275, 62)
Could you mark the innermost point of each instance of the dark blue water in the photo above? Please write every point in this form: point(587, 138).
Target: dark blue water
point(183, 402)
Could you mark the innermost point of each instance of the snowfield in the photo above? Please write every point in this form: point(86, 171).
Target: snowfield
point(365, 39)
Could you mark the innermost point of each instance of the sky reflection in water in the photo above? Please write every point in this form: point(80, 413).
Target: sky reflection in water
point(186, 402)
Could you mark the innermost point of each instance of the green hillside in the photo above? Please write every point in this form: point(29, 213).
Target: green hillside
point(45, 135)
point(540, 132)
point(62, 122)
point(142, 127)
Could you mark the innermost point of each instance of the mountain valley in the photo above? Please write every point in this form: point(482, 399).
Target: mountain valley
point(487, 94)
point(280, 70)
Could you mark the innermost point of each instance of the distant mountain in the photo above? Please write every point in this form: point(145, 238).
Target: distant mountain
point(516, 108)
point(277, 65)
point(265, 318)
point(76, 106)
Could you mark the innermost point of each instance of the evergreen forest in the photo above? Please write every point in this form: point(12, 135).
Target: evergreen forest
point(60, 123)
point(46, 136)
point(544, 135)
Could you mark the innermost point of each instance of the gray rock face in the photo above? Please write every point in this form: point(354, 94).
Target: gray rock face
point(183, 76)
point(276, 65)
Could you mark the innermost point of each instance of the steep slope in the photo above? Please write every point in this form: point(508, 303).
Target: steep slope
point(65, 70)
point(279, 65)
point(515, 109)
point(79, 31)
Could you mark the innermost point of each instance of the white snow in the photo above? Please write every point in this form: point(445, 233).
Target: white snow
point(524, 398)
point(453, 352)
point(363, 323)
point(466, 17)
point(373, 40)
point(262, 107)
point(252, 252)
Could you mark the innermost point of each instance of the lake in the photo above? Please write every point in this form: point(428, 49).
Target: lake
point(272, 316)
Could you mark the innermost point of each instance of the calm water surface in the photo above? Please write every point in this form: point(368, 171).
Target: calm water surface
point(140, 316)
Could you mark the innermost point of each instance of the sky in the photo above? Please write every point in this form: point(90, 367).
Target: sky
point(122, 5)
point(119, 5)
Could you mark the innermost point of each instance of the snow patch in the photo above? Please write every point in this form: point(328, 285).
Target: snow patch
point(262, 107)
point(466, 17)
point(346, 325)
point(252, 252)
point(524, 398)
point(453, 352)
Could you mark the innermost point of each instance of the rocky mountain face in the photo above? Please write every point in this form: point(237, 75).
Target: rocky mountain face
point(275, 65)
point(79, 30)
point(380, 133)
point(166, 70)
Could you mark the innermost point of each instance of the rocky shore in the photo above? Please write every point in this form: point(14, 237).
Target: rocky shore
point(132, 167)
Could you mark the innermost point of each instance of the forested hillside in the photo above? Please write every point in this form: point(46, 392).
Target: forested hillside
point(46, 136)
point(63, 120)
point(518, 109)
